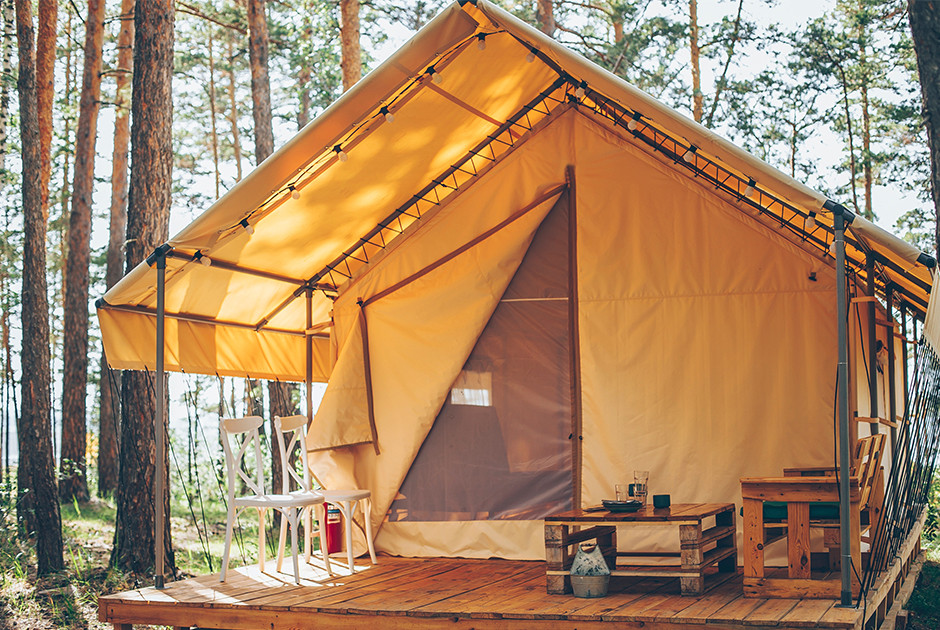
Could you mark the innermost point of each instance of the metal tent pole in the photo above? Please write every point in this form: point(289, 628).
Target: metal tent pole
point(308, 343)
point(839, 221)
point(158, 428)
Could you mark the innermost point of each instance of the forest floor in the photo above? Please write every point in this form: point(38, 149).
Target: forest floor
point(70, 599)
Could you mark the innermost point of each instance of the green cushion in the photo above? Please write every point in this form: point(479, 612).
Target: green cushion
point(818, 511)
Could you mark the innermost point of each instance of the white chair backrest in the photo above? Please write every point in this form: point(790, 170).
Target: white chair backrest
point(244, 431)
point(296, 426)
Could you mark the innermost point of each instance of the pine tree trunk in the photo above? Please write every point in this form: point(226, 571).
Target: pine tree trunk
point(109, 413)
point(6, 379)
point(34, 429)
point(72, 482)
point(545, 16)
point(863, 80)
point(147, 223)
point(697, 98)
point(260, 86)
point(925, 24)
point(233, 108)
point(351, 61)
point(212, 117)
point(45, 94)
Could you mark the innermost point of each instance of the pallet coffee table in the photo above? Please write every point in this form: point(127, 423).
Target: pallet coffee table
point(698, 548)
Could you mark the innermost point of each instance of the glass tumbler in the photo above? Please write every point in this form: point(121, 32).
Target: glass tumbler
point(640, 485)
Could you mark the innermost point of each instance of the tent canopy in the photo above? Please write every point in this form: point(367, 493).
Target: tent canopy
point(420, 128)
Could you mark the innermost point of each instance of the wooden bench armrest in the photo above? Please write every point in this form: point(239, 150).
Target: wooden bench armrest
point(810, 471)
point(796, 489)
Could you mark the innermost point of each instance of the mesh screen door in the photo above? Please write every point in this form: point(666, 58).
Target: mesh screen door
point(500, 448)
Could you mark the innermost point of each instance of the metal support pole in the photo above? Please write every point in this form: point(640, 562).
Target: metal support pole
point(843, 404)
point(308, 344)
point(872, 345)
point(891, 388)
point(158, 428)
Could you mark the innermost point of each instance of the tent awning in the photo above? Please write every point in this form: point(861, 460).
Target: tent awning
point(326, 204)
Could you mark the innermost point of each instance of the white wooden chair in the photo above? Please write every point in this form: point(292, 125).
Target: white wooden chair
point(296, 426)
point(244, 431)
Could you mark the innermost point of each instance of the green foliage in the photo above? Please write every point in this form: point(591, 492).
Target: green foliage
point(924, 603)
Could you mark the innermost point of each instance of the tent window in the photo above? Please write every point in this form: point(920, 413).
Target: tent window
point(473, 388)
point(499, 447)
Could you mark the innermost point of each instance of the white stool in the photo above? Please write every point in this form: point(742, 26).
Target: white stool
point(346, 502)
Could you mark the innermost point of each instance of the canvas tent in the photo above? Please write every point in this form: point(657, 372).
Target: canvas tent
point(522, 278)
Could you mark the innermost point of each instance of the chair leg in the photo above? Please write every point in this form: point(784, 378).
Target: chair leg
point(282, 539)
point(261, 550)
point(308, 523)
point(350, 507)
point(320, 531)
point(229, 526)
point(294, 522)
point(367, 515)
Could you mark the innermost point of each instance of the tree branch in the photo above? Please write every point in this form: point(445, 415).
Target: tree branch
point(720, 84)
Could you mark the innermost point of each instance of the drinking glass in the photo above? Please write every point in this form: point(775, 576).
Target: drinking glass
point(640, 485)
point(622, 491)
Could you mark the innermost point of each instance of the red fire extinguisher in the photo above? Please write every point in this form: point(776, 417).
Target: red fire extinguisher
point(334, 529)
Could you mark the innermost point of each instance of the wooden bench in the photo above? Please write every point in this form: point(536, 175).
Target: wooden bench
point(698, 548)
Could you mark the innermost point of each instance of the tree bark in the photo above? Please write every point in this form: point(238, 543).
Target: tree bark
point(260, 85)
point(148, 213)
point(697, 98)
point(351, 61)
point(34, 429)
point(545, 16)
point(233, 108)
point(863, 80)
point(45, 70)
point(72, 482)
point(109, 413)
point(925, 24)
point(212, 115)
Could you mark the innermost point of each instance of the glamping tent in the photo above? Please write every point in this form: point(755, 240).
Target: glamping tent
point(523, 279)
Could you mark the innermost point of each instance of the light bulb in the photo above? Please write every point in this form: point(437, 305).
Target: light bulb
point(832, 248)
point(389, 117)
point(295, 194)
point(811, 221)
point(688, 156)
point(748, 191)
point(204, 261)
point(631, 125)
point(579, 92)
point(530, 57)
point(342, 156)
point(481, 42)
point(250, 229)
point(436, 77)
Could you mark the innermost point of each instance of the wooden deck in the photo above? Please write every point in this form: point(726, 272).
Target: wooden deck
point(471, 594)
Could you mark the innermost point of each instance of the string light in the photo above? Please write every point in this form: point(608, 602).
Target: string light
point(689, 155)
point(811, 220)
point(340, 153)
point(202, 258)
point(750, 188)
point(294, 193)
point(832, 247)
point(634, 122)
point(580, 91)
point(531, 56)
point(248, 227)
point(481, 41)
point(389, 116)
point(435, 75)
